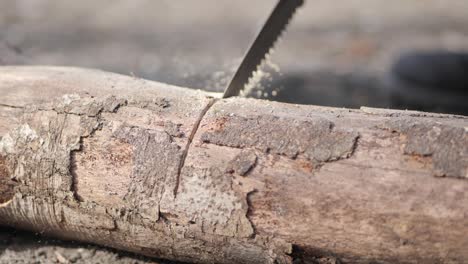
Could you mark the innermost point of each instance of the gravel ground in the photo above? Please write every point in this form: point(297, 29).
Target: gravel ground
point(335, 54)
point(19, 247)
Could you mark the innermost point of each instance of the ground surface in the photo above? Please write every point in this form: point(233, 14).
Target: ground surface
point(334, 54)
point(23, 247)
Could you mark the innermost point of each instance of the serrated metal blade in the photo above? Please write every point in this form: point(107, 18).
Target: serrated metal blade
point(265, 40)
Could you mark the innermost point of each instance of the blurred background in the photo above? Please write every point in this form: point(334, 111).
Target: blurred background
point(333, 53)
point(346, 53)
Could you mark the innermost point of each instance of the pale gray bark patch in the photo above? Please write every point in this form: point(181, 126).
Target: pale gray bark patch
point(40, 150)
point(315, 138)
point(446, 145)
point(11, 106)
point(173, 129)
point(206, 198)
point(156, 104)
point(83, 106)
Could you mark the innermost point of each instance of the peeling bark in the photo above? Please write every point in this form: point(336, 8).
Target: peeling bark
point(314, 139)
point(174, 173)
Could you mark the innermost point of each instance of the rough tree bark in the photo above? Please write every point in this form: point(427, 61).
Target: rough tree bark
point(179, 174)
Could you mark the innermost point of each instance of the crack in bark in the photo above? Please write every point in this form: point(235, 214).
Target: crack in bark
point(189, 142)
point(354, 147)
point(11, 106)
point(249, 212)
point(74, 176)
point(72, 164)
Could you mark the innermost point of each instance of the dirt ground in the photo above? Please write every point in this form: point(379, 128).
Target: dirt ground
point(19, 247)
point(334, 53)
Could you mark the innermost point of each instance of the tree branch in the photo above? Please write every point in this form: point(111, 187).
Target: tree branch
point(175, 173)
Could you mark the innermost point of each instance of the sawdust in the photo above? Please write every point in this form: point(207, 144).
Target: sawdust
point(260, 84)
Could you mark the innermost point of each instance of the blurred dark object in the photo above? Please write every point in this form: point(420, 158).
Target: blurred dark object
point(430, 81)
point(328, 88)
point(434, 81)
point(434, 70)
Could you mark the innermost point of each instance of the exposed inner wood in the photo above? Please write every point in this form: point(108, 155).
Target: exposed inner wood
point(174, 173)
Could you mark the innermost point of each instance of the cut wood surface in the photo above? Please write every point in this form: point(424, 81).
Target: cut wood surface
point(180, 174)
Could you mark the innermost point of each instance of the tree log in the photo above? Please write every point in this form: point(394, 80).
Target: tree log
point(183, 175)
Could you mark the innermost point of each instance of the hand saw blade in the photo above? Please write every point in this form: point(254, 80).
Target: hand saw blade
point(265, 40)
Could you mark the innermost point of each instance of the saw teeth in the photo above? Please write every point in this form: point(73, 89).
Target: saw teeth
point(271, 50)
point(264, 44)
